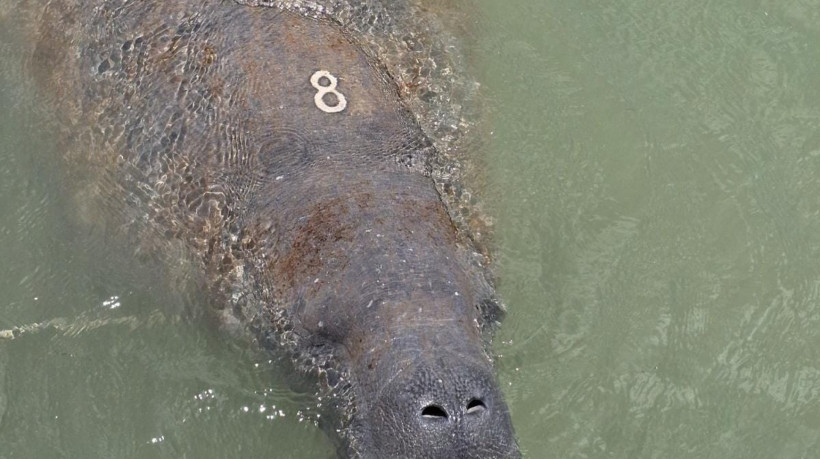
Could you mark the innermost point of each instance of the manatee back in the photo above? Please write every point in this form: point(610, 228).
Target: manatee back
point(187, 112)
point(422, 44)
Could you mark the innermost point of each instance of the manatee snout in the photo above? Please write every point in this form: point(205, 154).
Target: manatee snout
point(438, 406)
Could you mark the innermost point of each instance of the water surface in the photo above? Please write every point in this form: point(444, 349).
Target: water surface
point(654, 177)
point(656, 167)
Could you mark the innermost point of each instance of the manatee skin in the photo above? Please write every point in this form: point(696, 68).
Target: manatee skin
point(321, 233)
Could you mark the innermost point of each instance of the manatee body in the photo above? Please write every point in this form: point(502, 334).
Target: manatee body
point(279, 153)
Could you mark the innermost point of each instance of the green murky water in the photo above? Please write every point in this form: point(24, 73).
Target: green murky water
point(655, 174)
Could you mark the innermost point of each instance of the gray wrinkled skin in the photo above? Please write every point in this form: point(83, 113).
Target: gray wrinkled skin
point(328, 237)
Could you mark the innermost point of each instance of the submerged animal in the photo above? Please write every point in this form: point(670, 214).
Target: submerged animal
point(278, 151)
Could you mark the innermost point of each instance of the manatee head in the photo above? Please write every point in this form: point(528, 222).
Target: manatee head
point(439, 410)
point(431, 397)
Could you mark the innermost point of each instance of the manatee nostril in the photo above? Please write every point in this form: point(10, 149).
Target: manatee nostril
point(475, 406)
point(433, 412)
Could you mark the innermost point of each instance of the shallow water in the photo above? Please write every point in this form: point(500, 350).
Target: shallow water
point(654, 176)
point(656, 167)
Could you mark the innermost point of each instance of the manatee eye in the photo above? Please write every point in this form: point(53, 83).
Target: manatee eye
point(433, 411)
point(475, 406)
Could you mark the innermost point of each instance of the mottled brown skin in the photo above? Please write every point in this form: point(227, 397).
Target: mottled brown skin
point(321, 233)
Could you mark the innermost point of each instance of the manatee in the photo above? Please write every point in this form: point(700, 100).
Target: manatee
point(278, 150)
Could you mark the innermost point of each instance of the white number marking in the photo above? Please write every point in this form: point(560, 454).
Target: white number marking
point(318, 99)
